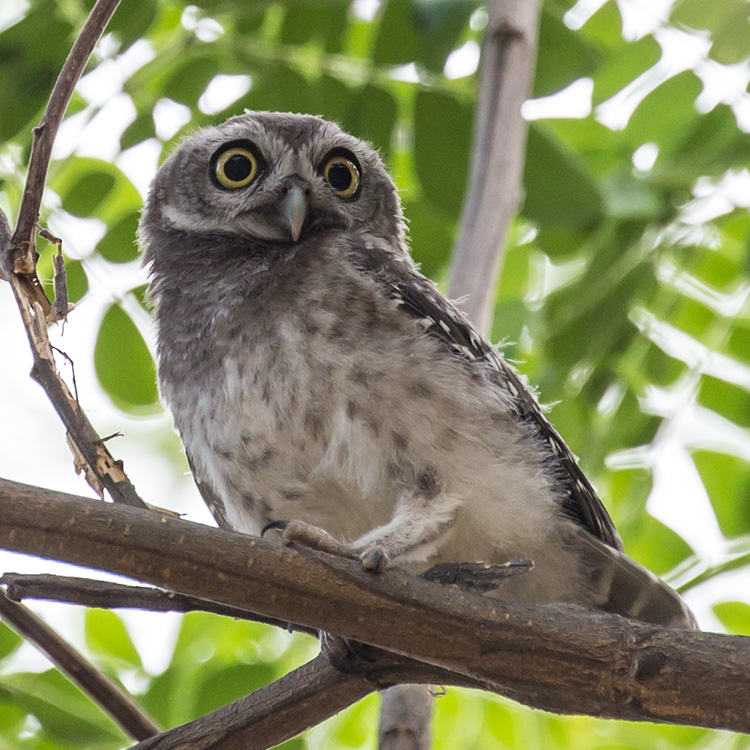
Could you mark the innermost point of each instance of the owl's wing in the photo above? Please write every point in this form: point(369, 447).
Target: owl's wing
point(420, 299)
point(210, 498)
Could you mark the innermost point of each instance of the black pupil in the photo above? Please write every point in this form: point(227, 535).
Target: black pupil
point(238, 167)
point(339, 176)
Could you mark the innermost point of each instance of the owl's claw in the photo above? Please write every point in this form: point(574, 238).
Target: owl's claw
point(315, 538)
point(374, 560)
point(281, 525)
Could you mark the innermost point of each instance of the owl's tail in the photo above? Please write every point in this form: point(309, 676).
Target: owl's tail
point(627, 588)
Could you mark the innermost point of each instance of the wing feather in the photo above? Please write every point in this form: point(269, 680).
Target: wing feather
point(419, 298)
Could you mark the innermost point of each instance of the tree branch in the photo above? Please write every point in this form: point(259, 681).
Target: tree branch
point(105, 595)
point(22, 249)
point(507, 69)
point(18, 262)
point(271, 714)
point(557, 657)
point(337, 678)
point(98, 686)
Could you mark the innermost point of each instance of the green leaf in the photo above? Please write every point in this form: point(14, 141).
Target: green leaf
point(661, 369)
point(734, 616)
point(92, 186)
point(692, 317)
point(118, 245)
point(9, 641)
point(78, 283)
point(132, 19)
point(698, 14)
point(623, 66)
point(665, 114)
point(372, 116)
point(559, 192)
point(88, 193)
point(655, 545)
point(230, 684)
point(727, 482)
point(141, 129)
point(726, 399)
point(28, 68)
point(68, 717)
point(423, 31)
point(711, 266)
point(563, 57)
point(124, 365)
point(322, 20)
point(107, 636)
point(739, 343)
point(441, 148)
point(431, 236)
point(189, 80)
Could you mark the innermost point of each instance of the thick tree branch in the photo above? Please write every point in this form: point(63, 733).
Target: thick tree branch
point(506, 73)
point(106, 595)
point(95, 684)
point(556, 657)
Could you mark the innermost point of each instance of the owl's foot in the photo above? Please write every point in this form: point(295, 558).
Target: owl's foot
point(479, 577)
point(372, 557)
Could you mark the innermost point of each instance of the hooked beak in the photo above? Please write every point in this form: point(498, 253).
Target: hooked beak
point(294, 209)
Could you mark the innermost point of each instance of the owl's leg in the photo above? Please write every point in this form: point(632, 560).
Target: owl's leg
point(419, 519)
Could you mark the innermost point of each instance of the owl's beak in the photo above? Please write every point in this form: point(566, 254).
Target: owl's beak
point(294, 209)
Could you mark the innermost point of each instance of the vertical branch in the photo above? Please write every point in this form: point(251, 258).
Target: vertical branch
point(506, 74)
point(507, 68)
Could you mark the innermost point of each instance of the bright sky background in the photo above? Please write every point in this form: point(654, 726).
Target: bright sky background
point(32, 445)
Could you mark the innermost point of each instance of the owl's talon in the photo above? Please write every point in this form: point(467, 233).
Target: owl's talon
point(374, 560)
point(281, 525)
point(315, 538)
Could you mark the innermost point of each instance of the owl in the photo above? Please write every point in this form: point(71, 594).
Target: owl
point(321, 384)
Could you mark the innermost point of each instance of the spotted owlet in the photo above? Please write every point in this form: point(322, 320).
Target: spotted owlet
point(316, 377)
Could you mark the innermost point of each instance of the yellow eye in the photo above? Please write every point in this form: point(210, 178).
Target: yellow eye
point(235, 168)
point(342, 175)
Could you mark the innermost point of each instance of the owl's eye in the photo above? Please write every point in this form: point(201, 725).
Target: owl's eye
point(341, 172)
point(235, 166)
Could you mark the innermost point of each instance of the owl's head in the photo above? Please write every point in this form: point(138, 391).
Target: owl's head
point(272, 178)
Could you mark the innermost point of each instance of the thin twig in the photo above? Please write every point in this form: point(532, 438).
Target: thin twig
point(507, 68)
point(23, 242)
point(129, 716)
point(89, 592)
point(18, 260)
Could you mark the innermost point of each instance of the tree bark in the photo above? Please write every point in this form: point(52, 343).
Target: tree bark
point(506, 75)
point(557, 657)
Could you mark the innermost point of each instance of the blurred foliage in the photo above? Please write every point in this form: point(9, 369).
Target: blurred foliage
point(624, 292)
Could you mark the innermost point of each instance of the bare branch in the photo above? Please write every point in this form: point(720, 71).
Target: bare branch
point(507, 68)
point(18, 261)
point(23, 243)
point(272, 714)
point(557, 657)
point(105, 595)
point(97, 460)
point(98, 686)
